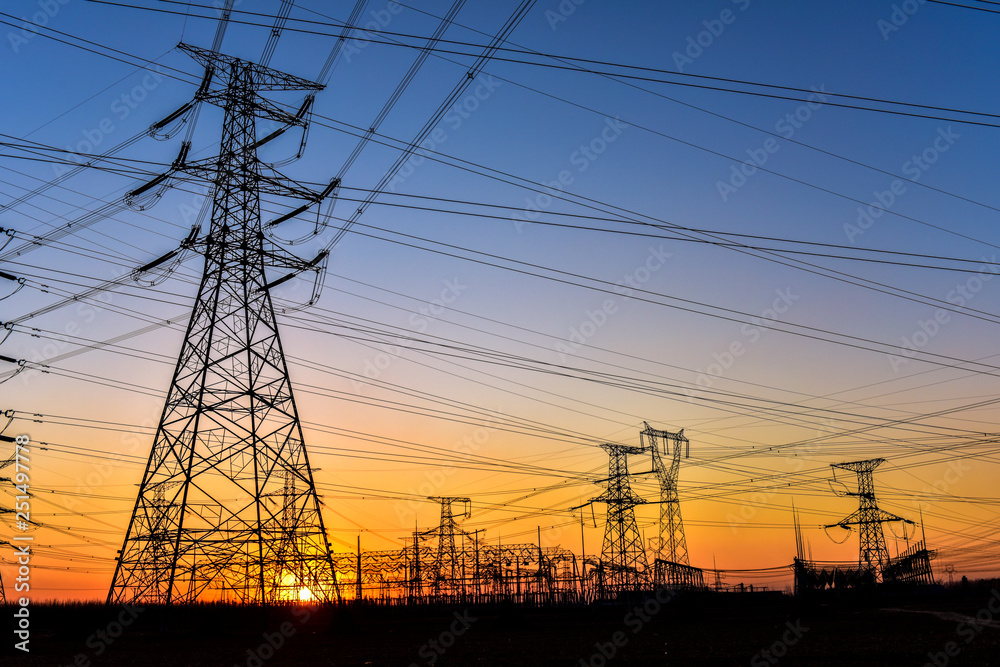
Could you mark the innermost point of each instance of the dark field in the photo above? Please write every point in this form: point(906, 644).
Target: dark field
point(694, 630)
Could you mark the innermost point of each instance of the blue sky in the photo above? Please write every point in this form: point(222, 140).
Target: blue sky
point(651, 151)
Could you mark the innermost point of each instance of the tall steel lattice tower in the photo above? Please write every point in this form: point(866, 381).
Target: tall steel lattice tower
point(3, 510)
point(622, 554)
point(873, 554)
point(671, 544)
point(447, 563)
point(227, 508)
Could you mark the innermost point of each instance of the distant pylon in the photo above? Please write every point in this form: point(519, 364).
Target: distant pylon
point(623, 555)
point(446, 563)
point(872, 554)
point(227, 508)
point(671, 545)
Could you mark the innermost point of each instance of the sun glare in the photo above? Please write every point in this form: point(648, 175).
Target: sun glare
point(293, 590)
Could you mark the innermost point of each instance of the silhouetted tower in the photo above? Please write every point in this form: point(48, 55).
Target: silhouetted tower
point(446, 565)
point(622, 554)
point(671, 544)
point(873, 554)
point(227, 507)
point(4, 510)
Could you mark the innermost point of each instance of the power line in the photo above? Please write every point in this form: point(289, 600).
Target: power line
point(621, 66)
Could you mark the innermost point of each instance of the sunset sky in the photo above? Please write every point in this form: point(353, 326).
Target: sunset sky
point(765, 223)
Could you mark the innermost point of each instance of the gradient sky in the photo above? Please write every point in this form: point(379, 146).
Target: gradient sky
point(765, 423)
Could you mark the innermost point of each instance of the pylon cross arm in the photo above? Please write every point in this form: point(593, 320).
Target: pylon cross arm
point(265, 78)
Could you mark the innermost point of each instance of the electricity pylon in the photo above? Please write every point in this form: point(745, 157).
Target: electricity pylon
point(873, 554)
point(622, 553)
point(4, 464)
point(446, 563)
point(672, 545)
point(227, 508)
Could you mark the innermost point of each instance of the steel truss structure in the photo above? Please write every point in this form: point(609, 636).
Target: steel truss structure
point(623, 558)
point(227, 508)
point(4, 510)
point(447, 566)
point(913, 566)
point(671, 545)
point(873, 555)
point(484, 573)
point(437, 569)
point(677, 575)
point(910, 568)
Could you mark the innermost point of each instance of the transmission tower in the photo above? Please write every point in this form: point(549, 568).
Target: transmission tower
point(446, 564)
point(671, 545)
point(227, 508)
point(873, 554)
point(622, 554)
point(4, 464)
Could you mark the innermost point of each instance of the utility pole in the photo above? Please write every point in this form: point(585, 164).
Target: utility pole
point(204, 525)
point(359, 569)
